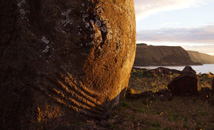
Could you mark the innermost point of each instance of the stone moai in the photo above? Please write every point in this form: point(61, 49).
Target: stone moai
point(63, 58)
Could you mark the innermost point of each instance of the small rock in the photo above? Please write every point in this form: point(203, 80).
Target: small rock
point(164, 95)
point(131, 95)
point(145, 95)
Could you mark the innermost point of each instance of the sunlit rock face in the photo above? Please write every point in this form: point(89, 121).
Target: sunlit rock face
point(63, 57)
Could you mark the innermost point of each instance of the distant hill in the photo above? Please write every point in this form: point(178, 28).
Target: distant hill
point(161, 55)
point(201, 57)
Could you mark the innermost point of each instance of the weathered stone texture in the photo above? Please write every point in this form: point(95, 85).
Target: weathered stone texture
point(186, 84)
point(68, 56)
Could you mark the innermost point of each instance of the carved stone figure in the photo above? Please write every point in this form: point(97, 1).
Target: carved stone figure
point(63, 58)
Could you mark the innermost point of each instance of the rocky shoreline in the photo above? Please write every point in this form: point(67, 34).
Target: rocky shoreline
point(185, 84)
point(155, 107)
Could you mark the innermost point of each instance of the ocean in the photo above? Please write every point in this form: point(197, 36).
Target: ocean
point(205, 68)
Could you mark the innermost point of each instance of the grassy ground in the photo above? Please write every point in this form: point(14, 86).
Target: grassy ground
point(142, 80)
point(180, 113)
point(145, 80)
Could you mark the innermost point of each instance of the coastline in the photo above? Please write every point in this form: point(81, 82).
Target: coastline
point(205, 68)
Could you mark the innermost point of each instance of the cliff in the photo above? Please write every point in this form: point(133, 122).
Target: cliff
point(161, 55)
point(201, 57)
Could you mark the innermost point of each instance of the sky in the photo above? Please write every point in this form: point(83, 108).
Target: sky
point(186, 23)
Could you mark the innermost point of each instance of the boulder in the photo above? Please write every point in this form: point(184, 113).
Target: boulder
point(163, 95)
point(163, 72)
point(188, 70)
point(63, 58)
point(185, 84)
point(133, 96)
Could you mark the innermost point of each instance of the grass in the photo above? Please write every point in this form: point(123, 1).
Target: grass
point(143, 80)
point(180, 113)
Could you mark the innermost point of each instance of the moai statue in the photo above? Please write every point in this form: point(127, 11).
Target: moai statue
point(63, 58)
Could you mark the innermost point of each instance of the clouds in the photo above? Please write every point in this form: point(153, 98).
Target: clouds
point(191, 28)
point(203, 34)
point(208, 49)
point(145, 8)
point(199, 39)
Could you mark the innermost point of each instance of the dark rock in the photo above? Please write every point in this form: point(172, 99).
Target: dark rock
point(133, 96)
point(162, 92)
point(148, 94)
point(145, 95)
point(205, 93)
point(204, 75)
point(188, 70)
point(63, 57)
point(161, 71)
point(164, 95)
point(185, 84)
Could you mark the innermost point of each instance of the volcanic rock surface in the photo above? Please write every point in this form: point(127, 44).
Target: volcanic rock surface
point(63, 58)
point(186, 84)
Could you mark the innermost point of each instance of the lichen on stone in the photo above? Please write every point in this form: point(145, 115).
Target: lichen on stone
point(46, 50)
point(21, 3)
point(103, 29)
point(45, 40)
point(67, 19)
point(23, 9)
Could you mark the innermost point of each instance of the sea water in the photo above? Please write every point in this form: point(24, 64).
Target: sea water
point(205, 68)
